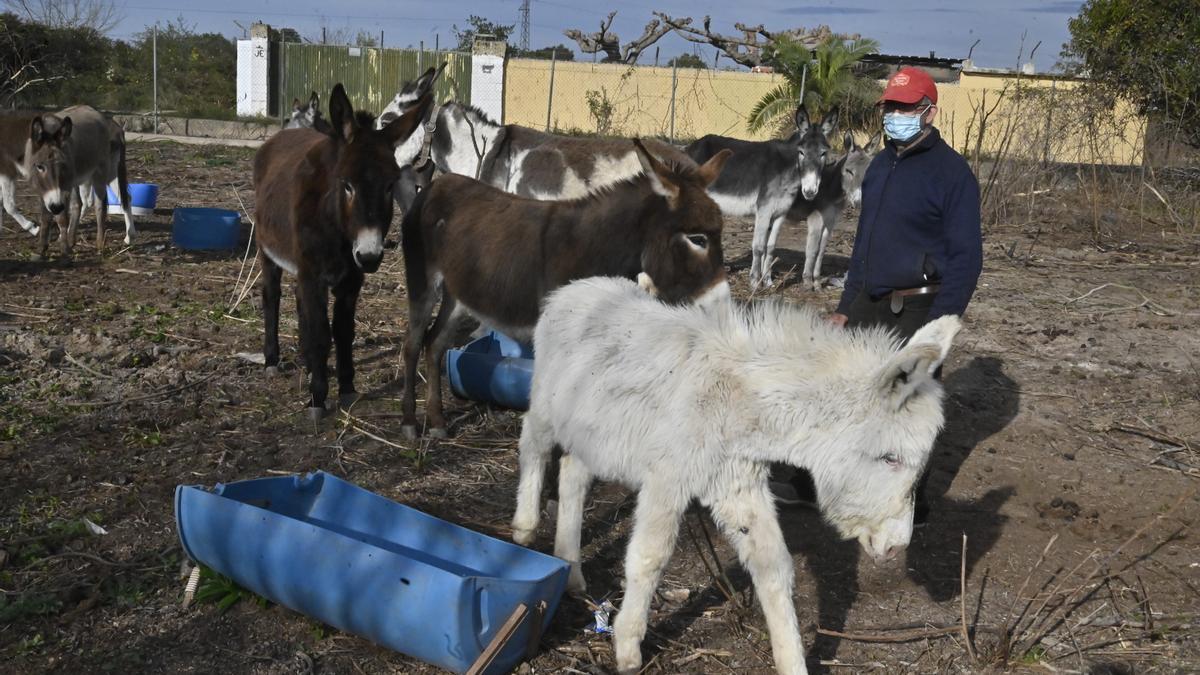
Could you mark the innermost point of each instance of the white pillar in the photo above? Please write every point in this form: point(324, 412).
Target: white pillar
point(253, 82)
point(487, 78)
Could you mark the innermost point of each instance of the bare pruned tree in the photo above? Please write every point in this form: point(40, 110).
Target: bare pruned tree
point(746, 48)
point(99, 15)
point(610, 43)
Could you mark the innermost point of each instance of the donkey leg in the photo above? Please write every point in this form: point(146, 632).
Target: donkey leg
point(420, 307)
point(120, 187)
point(828, 221)
point(536, 446)
point(758, 248)
point(315, 341)
point(746, 514)
point(271, 278)
point(435, 350)
point(8, 192)
point(574, 481)
point(44, 231)
point(769, 253)
point(74, 213)
point(655, 528)
point(100, 197)
point(345, 302)
point(812, 248)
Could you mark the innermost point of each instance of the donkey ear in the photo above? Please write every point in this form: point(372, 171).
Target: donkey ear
point(296, 104)
point(341, 114)
point(830, 122)
point(915, 364)
point(398, 130)
point(709, 171)
point(656, 173)
point(64, 131)
point(314, 99)
point(802, 122)
point(874, 142)
point(847, 142)
point(425, 82)
point(37, 130)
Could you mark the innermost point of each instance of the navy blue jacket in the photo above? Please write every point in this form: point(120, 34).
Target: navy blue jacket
point(919, 225)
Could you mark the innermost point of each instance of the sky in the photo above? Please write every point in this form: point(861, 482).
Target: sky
point(1006, 29)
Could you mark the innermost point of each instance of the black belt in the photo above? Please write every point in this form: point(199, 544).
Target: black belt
point(897, 296)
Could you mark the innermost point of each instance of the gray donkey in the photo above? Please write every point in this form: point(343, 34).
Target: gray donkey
point(841, 185)
point(77, 148)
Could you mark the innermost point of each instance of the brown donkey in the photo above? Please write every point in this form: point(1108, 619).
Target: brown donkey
point(324, 206)
point(497, 255)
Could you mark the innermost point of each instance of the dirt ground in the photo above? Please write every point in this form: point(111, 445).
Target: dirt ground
point(1070, 463)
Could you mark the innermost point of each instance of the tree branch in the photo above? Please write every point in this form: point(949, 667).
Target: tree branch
point(602, 41)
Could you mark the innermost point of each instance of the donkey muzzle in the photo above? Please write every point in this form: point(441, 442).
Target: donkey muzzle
point(54, 201)
point(368, 250)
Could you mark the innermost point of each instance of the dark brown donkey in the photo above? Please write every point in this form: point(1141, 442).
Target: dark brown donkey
point(324, 205)
point(497, 255)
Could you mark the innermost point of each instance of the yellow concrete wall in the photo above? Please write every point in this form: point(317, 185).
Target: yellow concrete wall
point(1042, 117)
point(706, 101)
point(1039, 116)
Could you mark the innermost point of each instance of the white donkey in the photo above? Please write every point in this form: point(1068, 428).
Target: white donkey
point(688, 402)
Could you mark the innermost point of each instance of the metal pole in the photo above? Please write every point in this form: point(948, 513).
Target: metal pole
point(803, 79)
point(550, 97)
point(656, 57)
point(674, 82)
point(281, 75)
point(154, 49)
point(381, 39)
point(421, 58)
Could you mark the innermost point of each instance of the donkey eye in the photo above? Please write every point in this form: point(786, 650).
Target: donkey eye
point(41, 168)
point(698, 240)
point(348, 188)
point(891, 459)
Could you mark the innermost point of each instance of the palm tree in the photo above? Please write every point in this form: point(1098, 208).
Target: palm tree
point(830, 81)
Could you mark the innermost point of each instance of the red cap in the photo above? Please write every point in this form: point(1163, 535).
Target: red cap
point(909, 85)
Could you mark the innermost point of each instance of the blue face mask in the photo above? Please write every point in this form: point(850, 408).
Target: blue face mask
point(902, 128)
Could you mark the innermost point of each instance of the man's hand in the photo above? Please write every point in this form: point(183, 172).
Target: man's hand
point(837, 319)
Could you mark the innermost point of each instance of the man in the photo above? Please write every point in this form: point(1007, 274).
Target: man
point(918, 251)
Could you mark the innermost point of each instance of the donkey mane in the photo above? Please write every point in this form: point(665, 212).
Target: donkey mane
point(365, 119)
point(477, 112)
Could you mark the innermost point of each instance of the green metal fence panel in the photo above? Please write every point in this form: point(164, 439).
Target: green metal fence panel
point(371, 76)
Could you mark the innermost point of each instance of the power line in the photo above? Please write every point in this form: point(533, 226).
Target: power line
point(524, 25)
point(306, 15)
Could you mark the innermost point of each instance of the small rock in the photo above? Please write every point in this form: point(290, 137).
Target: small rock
point(676, 596)
point(1069, 456)
point(1056, 502)
point(56, 355)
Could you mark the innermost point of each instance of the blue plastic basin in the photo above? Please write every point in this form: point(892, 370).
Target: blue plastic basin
point(143, 197)
point(367, 565)
point(493, 369)
point(205, 228)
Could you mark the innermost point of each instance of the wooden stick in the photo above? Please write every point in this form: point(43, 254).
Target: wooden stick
point(962, 600)
point(489, 653)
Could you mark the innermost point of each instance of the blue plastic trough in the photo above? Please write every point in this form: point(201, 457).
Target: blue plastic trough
point(205, 228)
point(143, 197)
point(369, 566)
point(493, 369)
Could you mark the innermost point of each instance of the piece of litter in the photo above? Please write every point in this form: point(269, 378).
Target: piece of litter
point(603, 614)
point(94, 528)
point(189, 591)
point(256, 358)
point(837, 282)
point(676, 596)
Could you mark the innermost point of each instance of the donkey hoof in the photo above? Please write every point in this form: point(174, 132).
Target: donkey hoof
point(409, 431)
point(523, 537)
point(272, 371)
point(316, 413)
point(438, 433)
point(38, 257)
point(346, 401)
point(35, 231)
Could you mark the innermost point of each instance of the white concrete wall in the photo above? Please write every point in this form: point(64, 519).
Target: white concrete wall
point(487, 80)
point(253, 83)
